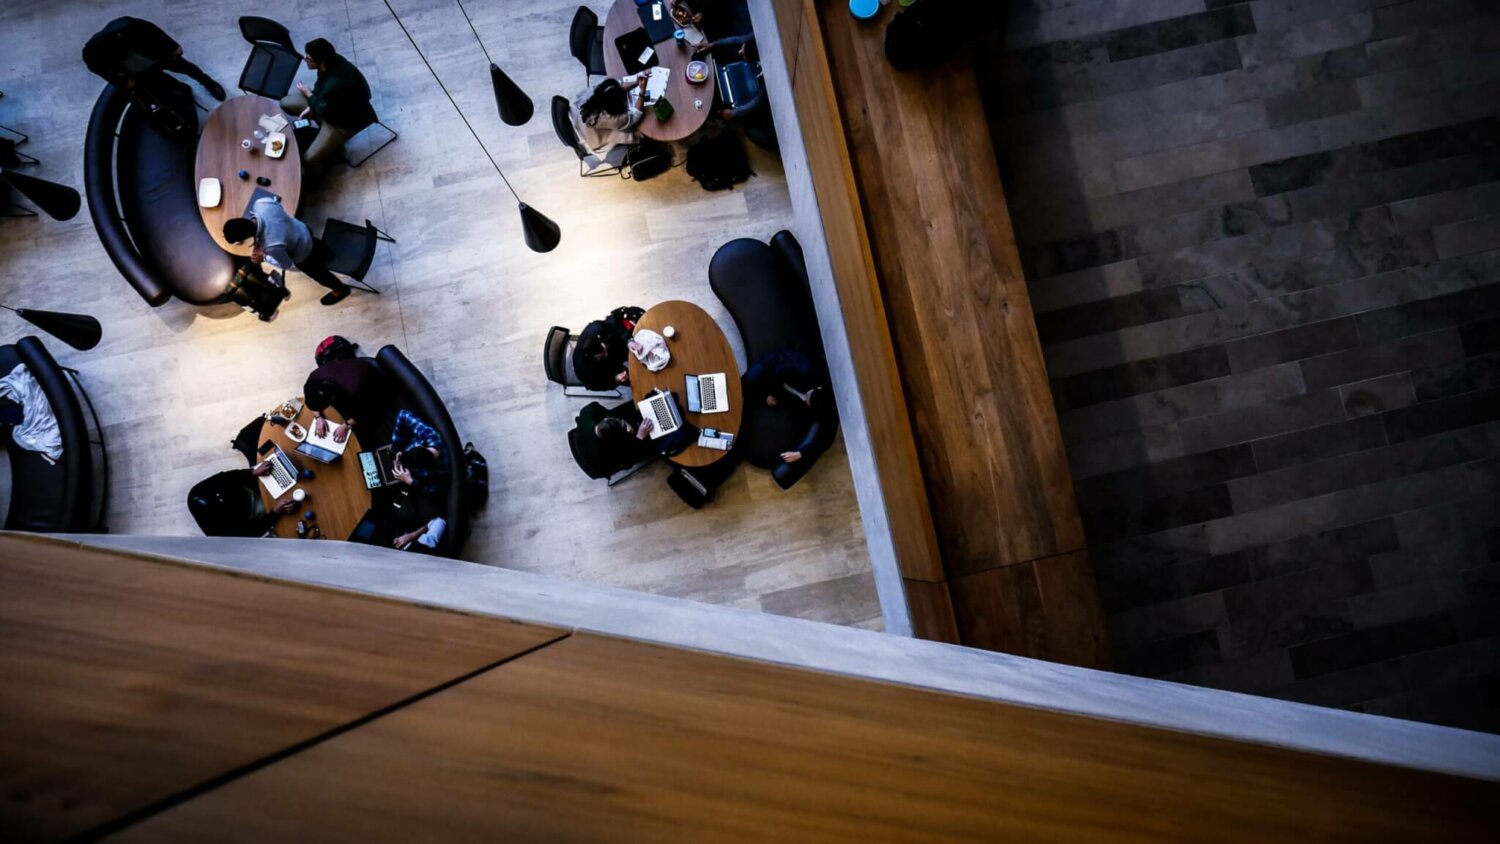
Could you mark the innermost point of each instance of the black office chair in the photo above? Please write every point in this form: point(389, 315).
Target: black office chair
point(353, 249)
point(613, 474)
point(557, 360)
point(562, 124)
point(21, 137)
point(586, 40)
point(229, 504)
point(270, 70)
point(12, 157)
point(374, 121)
point(264, 29)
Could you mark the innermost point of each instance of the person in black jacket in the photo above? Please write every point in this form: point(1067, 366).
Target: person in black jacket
point(130, 52)
point(616, 438)
point(788, 380)
point(600, 360)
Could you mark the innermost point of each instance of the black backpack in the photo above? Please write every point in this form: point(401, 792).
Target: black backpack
point(646, 160)
point(252, 290)
point(719, 163)
point(478, 471)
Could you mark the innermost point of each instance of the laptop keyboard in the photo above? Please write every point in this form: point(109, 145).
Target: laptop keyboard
point(710, 399)
point(279, 472)
point(662, 414)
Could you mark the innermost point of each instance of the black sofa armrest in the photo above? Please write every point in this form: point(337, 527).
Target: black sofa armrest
point(418, 396)
point(59, 497)
point(99, 186)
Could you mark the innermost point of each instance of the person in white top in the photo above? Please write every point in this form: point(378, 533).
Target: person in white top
point(606, 116)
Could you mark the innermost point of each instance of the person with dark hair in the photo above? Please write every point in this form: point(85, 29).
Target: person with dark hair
point(420, 460)
point(606, 116)
point(286, 243)
point(617, 438)
point(229, 504)
point(600, 359)
point(130, 52)
point(788, 380)
point(339, 101)
point(354, 386)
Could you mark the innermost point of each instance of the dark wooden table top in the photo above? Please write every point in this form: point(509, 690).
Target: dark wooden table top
point(699, 348)
point(336, 492)
point(220, 156)
point(685, 119)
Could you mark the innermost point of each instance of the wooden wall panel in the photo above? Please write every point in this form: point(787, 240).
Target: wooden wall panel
point(594, 739)
point(124, 681)
point(1043, 609)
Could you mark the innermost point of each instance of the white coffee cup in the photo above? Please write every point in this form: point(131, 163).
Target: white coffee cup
point(669, 332)
point(299, 495)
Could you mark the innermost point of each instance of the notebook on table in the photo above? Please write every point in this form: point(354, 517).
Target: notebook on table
point(260, 193)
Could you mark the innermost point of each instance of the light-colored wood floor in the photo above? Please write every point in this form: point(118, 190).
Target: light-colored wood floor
point(463, 296)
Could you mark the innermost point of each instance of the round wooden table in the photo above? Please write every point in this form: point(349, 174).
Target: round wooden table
point(699, 348)
point(336, 493)
point(681, 93)
point(221, 157)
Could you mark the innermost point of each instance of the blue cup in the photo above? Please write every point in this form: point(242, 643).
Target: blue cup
point(244, 174)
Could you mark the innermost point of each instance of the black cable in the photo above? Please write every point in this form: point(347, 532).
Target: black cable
point(460, 111)
point(475, 31)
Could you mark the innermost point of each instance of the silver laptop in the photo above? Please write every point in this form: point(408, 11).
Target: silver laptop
point(283, 474)
point(707, 393)
point(661, 409)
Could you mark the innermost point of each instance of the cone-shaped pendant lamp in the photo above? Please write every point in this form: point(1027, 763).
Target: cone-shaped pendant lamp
point(60, 202)
point(515, 107)
point(77, 330)
point(542, 235)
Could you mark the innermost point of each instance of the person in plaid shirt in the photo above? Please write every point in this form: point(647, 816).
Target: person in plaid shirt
point(420, 462)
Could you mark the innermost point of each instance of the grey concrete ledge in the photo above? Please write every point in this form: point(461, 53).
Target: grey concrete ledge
point(477, 588)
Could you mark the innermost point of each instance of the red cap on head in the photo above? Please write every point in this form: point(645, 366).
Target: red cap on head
point(333, 348)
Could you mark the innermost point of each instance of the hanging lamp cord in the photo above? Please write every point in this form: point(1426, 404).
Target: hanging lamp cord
point(460, 111)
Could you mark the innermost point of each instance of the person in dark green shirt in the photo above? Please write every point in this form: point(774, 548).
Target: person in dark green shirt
point(339, 101)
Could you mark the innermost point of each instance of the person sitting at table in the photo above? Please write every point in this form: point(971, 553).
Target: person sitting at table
point(601, 358)
point(339, 101)
point(285, 242)
point(354, 386)
point(229, 504)
point(788, 380)
point(621, 438)
point(129, 52)
point(731, 49)
point(606, 116)
point(420, 461)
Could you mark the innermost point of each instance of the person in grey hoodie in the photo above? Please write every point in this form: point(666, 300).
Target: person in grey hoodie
point(285, 242)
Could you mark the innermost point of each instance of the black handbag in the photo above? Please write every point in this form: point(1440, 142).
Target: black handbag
point(646, 160)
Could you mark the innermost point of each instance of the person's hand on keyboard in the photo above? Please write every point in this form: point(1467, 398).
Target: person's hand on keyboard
point(320, 426)
point(261, 469)
point(341, 433)
point(644, 430)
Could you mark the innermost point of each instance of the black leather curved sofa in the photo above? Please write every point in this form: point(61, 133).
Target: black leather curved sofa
point(46, 497)
point(415, 393)
point(143, 199)
point(766, 291)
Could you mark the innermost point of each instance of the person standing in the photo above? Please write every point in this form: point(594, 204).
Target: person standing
point(285, 242)
point(131, 52)
point(339, 101)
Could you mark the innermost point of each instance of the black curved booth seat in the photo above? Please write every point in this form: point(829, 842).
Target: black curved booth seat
point(415, 393)
point(766, 291)
point(143, 199)
point(46, 497)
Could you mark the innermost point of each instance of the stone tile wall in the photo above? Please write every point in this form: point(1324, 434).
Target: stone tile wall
point(1263, 245)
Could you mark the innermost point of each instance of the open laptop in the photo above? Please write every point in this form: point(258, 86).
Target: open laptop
point(324, 449)
point(707, 393)
point(661, 408)
point(377, 466)
point(283, 474)
point(737, 83)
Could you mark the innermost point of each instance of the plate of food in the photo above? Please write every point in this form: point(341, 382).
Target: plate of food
point(697, 71)
point(295, 432)
point(210, 192)
point(275, 145)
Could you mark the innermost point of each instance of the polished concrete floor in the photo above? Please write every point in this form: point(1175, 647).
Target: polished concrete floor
point(1263, 245)
point(462, 296)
